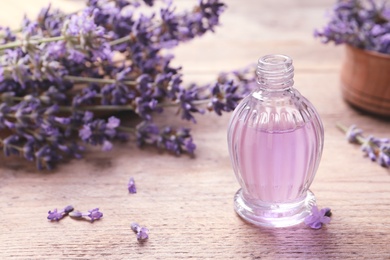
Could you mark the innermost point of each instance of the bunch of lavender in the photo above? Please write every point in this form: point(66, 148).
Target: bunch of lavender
point(363, 24)
point(61, 72)
point(377, 149)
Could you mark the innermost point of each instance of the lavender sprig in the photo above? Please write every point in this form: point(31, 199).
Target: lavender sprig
point(60, 87)
point(56, 215)
point(131, 186)
point(377, 149)
point(93, 214)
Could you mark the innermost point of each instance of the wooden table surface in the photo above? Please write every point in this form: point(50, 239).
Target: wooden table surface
point(187, 203)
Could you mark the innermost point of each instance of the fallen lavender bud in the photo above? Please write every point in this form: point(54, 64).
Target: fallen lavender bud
point(317, 217)
point(131, 186)
point(377, 149)
point(142, 232)
point(57, 215)
point(135, 227)
point(93, 214)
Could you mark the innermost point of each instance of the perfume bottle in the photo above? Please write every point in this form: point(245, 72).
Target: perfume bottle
point(275, 139)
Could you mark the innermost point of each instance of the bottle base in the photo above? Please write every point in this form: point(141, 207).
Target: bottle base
point(273, 214)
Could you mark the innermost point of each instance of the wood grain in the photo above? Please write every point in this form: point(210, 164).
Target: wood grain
point(187, 203)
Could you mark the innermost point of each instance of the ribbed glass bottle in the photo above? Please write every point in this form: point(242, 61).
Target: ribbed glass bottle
point(275, 139)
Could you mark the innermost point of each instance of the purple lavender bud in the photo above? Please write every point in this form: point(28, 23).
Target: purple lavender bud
point(224, 97)
point(368, 147)
point(28, 150)
point(318, 217)
point(352, 134)
point(384, 156)
point(85, 132)
point(107, 146)
point(131, 186)
point(113, 122)
point(94, 214)
point(88, 116)
point(55, 215)
point(143, 234)
point(68, 209)
point(9, 145)
point(135, 227)
point(189, 146)
point(76, 214)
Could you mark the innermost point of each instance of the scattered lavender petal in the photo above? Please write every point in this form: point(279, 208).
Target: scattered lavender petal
point(143, 234)
point(317, 218)
point(131, 186)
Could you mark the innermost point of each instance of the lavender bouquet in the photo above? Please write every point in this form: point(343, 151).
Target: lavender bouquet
point(64, 78)
point(364, 24)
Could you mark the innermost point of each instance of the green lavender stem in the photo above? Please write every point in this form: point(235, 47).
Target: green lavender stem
point(98, 80)
point(15, 44)
point(120, 40)
point(19, 43)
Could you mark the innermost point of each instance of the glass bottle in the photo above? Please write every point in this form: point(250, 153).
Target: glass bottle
point(275, 139)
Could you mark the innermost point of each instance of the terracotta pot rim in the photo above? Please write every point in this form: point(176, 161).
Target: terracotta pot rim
point(372, 53)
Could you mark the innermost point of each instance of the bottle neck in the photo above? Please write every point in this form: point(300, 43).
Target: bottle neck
point(275, 72)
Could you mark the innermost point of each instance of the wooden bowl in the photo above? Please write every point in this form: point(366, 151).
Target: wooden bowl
point(365, 80)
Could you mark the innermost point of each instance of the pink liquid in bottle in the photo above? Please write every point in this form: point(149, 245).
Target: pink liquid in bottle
point(275, 167)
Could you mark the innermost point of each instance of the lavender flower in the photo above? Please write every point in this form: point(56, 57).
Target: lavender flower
point(93, 214)
point(368, 147)
point(377, 149)
point(317, 218)
point(142, 232)
point(57, 215)
point(131, 186)
point(384, 155)
point(353, 134)
point(187, 99)
point(99, 132)
point(135, 227)
point(82, 33)
point(46, 157)
point(50, 21)
point(176, 141)
point(7, 35)
point(224, 98)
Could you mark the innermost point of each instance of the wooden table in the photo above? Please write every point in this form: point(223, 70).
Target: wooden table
point(187, 203)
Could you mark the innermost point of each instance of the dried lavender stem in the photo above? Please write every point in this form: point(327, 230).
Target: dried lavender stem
point(97, 108)
point(120, 40)
point(97, 80)
point(123, 107)
point(127, 129)
point(15, 44)
point(12, 31)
